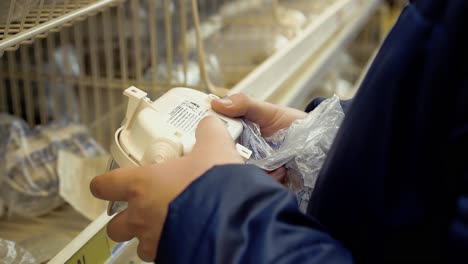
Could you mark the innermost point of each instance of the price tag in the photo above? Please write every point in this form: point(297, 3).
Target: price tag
point(91, 246)
point(96, 250)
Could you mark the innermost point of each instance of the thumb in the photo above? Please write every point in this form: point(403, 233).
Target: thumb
point(240, 104)
point(233, 106)
point(213, 140)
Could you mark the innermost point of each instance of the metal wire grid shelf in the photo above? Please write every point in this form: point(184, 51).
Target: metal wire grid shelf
point(78, 69)
point(21, 21)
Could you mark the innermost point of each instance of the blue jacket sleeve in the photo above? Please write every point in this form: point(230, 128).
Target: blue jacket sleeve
point(238, 214)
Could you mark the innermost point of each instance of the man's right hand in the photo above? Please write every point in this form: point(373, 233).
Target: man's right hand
point(269, 117)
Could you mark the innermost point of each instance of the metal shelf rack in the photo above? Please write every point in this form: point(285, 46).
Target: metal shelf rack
point(43, 17)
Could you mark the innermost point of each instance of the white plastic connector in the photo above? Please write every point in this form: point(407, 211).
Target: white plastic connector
point(243, 151)
point(135, 98)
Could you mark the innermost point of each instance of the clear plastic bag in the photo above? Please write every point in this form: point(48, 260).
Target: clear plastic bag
point(11, 253)
point(287, 21)
point(191, 76)
point(311, 9)
point(62, 101)
point(239, 51)
point(28, 159)
point(302, 147)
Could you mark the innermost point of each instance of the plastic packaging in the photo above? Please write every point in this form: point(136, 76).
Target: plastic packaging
point(192, 76)
point(345, 72)
point(11, 253)
point(302, 148)
point(75, 174)
point(311, 9)
point(7, 124)
point(28, 160)
point(245, 33)
point(239, 51)
point(62, 101)
point(289, 21)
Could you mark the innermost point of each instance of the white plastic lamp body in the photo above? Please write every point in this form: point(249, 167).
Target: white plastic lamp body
point(153, 132)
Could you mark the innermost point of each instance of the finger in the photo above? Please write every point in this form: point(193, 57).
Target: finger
point(279, 174)
point(118, 229)
point(242, 105)
point(212, 131)
point(147, 247)
point(212, 138)
point(116, 185)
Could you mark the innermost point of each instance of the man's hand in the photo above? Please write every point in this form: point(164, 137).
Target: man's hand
point(269, 117)
point(149, 189)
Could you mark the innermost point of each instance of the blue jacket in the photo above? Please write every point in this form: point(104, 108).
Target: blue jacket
point(394, 187)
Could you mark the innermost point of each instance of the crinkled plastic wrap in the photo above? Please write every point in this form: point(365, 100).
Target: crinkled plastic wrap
point(11, 253)
point(28, 160)
point(302, 148)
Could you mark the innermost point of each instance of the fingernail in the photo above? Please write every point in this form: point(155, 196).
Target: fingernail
point(92, 188)
point(225, 101)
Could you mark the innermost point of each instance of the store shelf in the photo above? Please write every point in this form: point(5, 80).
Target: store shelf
point(294, 92)
point(285, 77)
point(46, 17)
point(44, 236)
